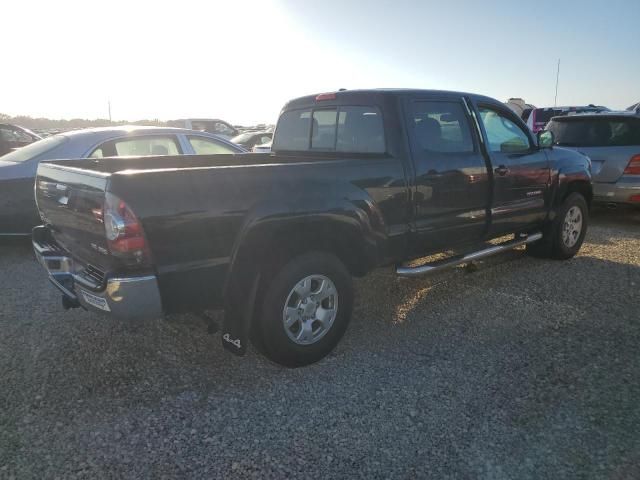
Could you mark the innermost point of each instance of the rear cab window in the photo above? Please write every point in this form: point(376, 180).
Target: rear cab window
point(347, 129)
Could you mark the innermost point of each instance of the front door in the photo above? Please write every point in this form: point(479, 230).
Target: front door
point(520, 170)
point(451, 192)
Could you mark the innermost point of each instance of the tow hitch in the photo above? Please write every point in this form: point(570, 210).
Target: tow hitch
point(68, 303)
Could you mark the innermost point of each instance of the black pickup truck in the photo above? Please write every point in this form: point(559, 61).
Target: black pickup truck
point(355, 180)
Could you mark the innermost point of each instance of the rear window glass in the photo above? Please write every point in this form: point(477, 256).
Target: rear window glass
point(323, 133)
point(596, 132)
point(544, 115)
point(34, 149)
point(292, 132)
point(349, 129)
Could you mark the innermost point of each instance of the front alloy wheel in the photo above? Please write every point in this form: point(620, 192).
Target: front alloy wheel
point(572, 226)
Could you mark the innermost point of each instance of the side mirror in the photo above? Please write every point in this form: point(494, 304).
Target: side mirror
point(546, 139)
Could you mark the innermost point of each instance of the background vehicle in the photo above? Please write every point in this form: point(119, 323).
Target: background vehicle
point(210, 125)
point(18, 213)
point(13, 137)
point(356, 179)
point(249, 140)
point(522, 109)
point(539, 117)
point(264, 148)
point(612, 141)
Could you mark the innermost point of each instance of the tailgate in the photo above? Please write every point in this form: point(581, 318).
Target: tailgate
point(70, 201)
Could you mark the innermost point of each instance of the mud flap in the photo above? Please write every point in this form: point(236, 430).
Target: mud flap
point(237, 318)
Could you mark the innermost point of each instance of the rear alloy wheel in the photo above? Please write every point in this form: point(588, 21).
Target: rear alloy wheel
point(310, 309)
point(306, 309)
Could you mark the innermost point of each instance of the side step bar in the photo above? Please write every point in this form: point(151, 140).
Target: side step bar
point(452, 262)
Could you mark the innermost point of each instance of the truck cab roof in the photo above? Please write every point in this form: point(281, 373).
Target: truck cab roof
point(376, 95)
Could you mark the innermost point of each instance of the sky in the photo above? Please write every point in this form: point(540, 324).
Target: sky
point(242, 60)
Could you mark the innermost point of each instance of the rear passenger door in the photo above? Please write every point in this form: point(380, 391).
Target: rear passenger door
point(520, 171)
point(452, 190)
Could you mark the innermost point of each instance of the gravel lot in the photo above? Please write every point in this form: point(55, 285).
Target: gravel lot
point(524, 369)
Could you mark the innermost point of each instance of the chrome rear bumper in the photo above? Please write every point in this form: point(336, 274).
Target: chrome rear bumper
point(123, 297)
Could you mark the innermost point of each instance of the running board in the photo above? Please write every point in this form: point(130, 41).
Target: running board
point(452, 262)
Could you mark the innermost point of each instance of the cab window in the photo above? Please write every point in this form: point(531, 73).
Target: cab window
point(157, 145)
point(442, 127)
point(503, 135)
point(207, 146)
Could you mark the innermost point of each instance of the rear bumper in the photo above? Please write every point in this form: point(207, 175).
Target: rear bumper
point(127, 298)
point(619, 192)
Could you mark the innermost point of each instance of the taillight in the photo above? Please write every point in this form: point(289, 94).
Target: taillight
point(123, 230)
point(634, 166)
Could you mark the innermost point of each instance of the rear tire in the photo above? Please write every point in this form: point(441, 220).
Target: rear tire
point(563, 236)
point(305, 310)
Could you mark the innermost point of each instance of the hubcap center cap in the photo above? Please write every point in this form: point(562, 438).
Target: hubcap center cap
point(309, 308)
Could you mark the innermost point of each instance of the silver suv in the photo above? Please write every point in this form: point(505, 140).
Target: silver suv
point(612, 141)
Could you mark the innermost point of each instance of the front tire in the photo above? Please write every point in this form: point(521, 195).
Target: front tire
point(564, 236)
point(306, 308)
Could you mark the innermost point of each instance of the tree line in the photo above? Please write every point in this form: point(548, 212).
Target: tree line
point(41, 123)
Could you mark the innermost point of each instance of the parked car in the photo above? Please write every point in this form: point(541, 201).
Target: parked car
point(264, 148)
point(13, 137)
point(249, 140)
point(539, 117)
point(210, 125)
point(355, 180)
point(18, 213)
point(612, 141)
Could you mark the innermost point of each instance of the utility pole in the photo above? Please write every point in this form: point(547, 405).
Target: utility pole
point(555, 101)
point(109, 104)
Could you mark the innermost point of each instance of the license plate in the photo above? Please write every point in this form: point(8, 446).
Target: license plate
point(95, 301)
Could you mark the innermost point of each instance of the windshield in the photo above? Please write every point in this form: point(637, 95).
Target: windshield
point(595, 132)
point(37, 148)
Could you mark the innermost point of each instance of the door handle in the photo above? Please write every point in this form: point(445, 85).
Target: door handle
point(501, 170)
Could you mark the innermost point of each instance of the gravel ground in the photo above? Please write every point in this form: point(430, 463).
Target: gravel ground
point(524, 369)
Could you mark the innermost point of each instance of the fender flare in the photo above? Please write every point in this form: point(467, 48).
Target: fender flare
point(345, 220)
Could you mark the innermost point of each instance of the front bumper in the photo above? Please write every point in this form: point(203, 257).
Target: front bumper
point(620, 192)
point(127, 298)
